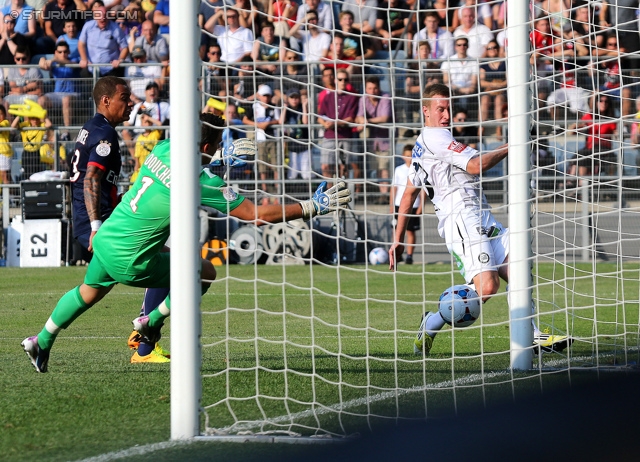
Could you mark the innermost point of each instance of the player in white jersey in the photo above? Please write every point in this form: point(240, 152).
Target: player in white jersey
point(450, 171)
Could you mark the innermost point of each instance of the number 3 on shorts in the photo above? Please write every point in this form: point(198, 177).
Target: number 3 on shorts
point(146, 182)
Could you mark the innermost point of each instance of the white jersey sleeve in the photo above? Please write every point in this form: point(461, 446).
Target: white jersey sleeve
point(439, 165)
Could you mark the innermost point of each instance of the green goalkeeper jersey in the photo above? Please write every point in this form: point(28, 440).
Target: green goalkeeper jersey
point(139, 226)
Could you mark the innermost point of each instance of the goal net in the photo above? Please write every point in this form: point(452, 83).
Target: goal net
point(301, 334)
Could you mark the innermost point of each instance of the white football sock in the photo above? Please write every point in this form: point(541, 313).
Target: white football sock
point(434, 324)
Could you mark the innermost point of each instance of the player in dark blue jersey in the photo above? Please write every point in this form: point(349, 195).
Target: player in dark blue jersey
point(95, 170)
point(96, 161)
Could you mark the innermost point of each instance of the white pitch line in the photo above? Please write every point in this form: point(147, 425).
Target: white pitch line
point(137, 451)
point(247, 426)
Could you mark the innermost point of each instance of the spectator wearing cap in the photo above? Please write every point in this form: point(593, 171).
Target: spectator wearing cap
point(10, 40)
point(66, 84)
point(154, 44)
point(158, 111)
point(140, 75)
point(295, 117)
point(102, 41)
point(264, 117)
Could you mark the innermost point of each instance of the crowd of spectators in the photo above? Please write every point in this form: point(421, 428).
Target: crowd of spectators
point(312, 49)
point(63, 40)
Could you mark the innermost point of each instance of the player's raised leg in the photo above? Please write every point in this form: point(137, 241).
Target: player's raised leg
point(69, 308)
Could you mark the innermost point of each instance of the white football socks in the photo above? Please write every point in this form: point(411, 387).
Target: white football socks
point(434, 324)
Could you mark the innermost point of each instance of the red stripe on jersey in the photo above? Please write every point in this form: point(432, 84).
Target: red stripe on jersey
point(100, 166)
point(457, 147)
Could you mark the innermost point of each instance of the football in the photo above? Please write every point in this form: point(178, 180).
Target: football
point(459, 306)
point(378, 256)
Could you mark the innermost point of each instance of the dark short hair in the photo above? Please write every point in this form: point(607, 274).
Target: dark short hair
point(345, 13)
point(423, 43)
point(210, 129)
point(63, 43)
point(267, 24)
point(432, 14)
point(107, 86)
point(373, 79)
point(407, 147)
point(23, 49)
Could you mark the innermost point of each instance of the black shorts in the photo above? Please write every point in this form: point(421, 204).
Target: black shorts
point(414, 220)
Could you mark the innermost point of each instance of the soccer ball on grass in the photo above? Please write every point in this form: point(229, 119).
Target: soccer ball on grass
point(378, 256)
point(459, 306)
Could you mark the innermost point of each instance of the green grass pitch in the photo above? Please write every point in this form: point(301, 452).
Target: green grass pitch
point(316, 349)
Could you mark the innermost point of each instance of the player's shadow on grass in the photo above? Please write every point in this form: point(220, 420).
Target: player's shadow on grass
point(597, 421)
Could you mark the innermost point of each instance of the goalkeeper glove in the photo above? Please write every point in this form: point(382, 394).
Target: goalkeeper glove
point(234, 154)
point(326, 200)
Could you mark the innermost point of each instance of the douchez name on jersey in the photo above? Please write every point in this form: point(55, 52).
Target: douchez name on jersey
point(158, 168)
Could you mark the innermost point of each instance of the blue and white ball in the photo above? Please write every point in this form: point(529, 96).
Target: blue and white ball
point(459, 306)
point(378, 256)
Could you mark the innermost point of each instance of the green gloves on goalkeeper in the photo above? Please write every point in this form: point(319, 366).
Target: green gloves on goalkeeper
point(326, 200)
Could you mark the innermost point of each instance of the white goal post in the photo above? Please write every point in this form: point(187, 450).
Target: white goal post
point(300, 338)
point(185, 198)
point(519, 175)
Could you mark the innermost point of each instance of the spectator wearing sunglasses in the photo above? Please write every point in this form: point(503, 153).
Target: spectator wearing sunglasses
point(10, 40)
point(24, 82)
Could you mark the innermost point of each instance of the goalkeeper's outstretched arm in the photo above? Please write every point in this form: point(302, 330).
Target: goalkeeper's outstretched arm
point(323, 201)
point(237, 153)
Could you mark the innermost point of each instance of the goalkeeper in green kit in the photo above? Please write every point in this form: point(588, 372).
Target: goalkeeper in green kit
point(129, 247)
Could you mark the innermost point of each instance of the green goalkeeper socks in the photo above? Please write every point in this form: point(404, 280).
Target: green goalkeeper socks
point(157, 316)
point(69, 307)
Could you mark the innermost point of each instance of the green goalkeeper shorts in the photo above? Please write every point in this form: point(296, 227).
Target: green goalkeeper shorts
point(153, 273)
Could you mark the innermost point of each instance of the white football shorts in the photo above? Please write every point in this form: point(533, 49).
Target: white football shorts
point(477, 242)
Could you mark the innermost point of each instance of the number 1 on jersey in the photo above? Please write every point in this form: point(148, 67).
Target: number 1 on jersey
point(146, 182)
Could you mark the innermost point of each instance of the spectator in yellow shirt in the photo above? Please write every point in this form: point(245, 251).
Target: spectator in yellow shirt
point(32, 141)
point(145, 142)
point(6, 151)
